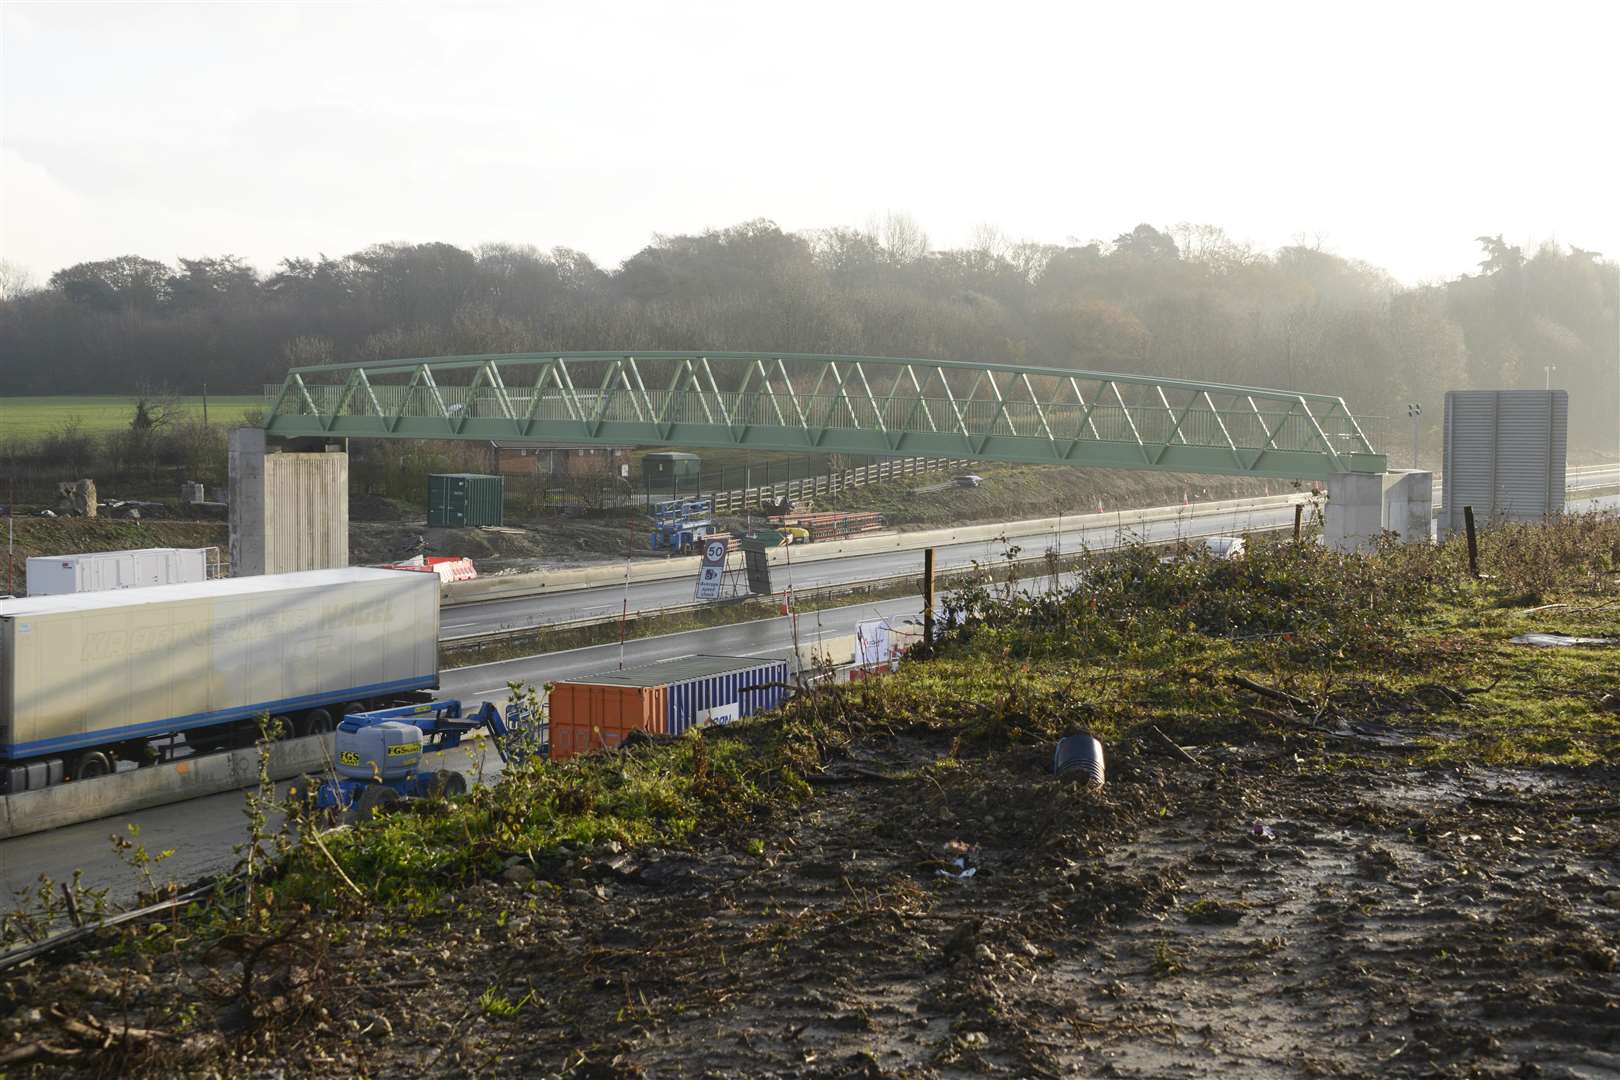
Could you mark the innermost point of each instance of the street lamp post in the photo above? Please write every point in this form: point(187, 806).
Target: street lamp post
point(1549, 369)
point(1414, 410)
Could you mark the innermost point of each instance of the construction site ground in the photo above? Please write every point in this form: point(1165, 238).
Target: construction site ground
point(1008, 493)
point(1354, 823)
point(1248, 915)
point(1393, 926)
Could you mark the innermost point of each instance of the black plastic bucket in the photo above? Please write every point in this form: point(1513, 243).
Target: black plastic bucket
point(1079, 757)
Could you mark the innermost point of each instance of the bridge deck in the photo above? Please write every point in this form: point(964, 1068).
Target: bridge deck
point(864, 405)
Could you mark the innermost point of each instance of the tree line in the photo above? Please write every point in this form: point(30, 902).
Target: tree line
point(1186, 302)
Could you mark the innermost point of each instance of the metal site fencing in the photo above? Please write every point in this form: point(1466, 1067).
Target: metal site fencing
point(738, 488)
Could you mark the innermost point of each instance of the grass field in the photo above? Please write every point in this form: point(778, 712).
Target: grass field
point(32, 417)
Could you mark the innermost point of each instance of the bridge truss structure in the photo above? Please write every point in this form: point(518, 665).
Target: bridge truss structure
point(831, 404)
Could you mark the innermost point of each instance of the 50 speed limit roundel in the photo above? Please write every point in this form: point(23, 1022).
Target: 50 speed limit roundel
point(715, 552)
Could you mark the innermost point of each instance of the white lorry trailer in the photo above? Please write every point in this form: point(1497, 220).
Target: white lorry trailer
point(88, 679)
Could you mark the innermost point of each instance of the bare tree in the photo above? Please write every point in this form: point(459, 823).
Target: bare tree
point(156, 408)
point(305, 350)
point(1211, 246)
point(15, 280)
point(899, 236)
point(989, 242)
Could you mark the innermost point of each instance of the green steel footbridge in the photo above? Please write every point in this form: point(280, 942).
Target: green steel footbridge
point(833, 404)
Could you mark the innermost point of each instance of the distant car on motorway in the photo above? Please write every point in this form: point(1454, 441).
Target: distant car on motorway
point(967, 480)
point(1223, 547)
point(1209, 547)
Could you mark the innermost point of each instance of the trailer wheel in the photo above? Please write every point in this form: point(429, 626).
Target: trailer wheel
point(447, 784)
point(315, 722)
point(214, 737)
point(91, 764)
point(142, 753)
point(355, 706)
point(373, 799)
point(203, 741)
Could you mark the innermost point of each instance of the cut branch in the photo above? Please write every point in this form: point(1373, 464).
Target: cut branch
point(1174, 747)
point(1250, 685)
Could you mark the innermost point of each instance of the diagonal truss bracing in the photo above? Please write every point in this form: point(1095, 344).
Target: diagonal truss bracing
point(844, 404)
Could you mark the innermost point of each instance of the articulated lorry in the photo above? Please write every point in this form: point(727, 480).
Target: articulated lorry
point(89, 679)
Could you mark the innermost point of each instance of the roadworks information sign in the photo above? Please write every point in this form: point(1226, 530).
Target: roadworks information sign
point(713, 571)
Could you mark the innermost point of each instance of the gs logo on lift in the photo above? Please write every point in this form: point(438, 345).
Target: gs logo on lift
point(349, 757)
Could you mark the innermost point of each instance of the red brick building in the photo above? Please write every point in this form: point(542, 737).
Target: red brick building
point(563, 462)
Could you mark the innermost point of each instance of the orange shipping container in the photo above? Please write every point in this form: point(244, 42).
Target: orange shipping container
point(586, 717)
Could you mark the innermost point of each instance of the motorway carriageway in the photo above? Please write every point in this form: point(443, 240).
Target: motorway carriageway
point(202, 832)
point(608, 601)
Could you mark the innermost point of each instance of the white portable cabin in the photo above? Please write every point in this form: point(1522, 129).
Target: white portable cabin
point(96, 571)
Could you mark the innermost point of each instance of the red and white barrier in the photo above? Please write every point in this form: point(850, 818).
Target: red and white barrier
point(453, 568)
point(448, 567)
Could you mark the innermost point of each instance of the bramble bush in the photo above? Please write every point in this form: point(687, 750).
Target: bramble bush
point(1138, 597)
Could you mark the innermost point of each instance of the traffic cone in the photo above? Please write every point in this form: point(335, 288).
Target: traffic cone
point(1100, 509)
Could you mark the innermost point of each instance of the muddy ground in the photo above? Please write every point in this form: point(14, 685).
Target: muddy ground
point(1255, 914)
point(528, 546)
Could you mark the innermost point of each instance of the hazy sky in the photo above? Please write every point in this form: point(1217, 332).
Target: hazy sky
point(1396, 133)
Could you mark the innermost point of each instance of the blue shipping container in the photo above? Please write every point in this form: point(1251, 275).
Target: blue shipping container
point(726, 696)
point(706, 689)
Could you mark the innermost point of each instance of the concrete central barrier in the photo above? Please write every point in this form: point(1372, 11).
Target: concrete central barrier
point(157, 785)
point(542, 582)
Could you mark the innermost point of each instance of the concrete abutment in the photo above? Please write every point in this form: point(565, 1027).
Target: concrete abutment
point(289, 504)
point(1362, 506)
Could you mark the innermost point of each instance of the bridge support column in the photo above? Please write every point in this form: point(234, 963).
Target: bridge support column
point(1354, 515)
point(289, 504)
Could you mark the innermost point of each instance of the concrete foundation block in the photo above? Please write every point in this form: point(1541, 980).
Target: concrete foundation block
point(1409, 505)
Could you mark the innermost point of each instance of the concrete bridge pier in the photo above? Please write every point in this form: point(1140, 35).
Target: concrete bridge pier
point(1363, 506)
point(289, 503)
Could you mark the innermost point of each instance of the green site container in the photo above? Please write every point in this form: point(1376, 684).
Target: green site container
point(465, 499)
point(671, 472)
